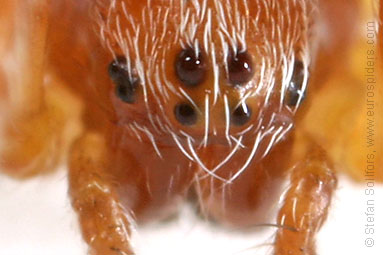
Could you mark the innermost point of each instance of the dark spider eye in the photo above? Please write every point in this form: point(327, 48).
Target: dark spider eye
point(190, 68)
point(241, 115)
point(185, 114)
point(295, 92)
point(126, 85)
point(240, 68)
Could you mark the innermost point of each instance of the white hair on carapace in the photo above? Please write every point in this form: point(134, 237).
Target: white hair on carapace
point(218, 28)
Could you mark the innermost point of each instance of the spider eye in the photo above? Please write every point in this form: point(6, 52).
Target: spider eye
point(185, 114)
point(240, 68)
point(295, 91)
point(241, 115)
point(126, 85)
point(190, 68)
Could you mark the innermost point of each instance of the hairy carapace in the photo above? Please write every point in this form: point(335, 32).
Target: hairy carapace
point(205, 73)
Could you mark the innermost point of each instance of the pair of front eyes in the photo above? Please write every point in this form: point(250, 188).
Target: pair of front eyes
point(191, 70)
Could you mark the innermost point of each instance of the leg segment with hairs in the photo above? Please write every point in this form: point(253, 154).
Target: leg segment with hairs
point(305, 206)
point(104, 222)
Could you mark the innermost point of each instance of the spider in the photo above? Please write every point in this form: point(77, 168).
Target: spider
point(234, 104)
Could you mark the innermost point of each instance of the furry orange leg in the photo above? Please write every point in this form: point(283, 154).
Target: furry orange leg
point(305, 206)
point(104, 223)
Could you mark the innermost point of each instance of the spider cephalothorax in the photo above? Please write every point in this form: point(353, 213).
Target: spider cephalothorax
point(209, 72)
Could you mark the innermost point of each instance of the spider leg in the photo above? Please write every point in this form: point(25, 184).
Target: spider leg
point(306, 204)
point(111, 191)
point(35, 106)
point(105, 225)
